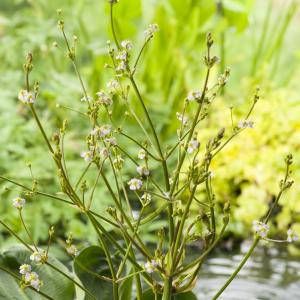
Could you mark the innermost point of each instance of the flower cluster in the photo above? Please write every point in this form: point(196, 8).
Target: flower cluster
point(260, 228)
point(30, 278)
point(26, 97)
point(123, 56)
point(38, 256)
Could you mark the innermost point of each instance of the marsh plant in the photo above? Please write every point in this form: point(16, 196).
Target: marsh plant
point(165, 185)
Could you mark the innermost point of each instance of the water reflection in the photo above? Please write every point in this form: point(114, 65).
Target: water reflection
point(269, 274)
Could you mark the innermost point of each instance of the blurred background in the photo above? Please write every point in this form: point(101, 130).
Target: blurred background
point(258, 40)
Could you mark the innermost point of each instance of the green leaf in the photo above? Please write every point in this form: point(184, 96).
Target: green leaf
point(55, 285)
point(87, 264)
point(125, 290)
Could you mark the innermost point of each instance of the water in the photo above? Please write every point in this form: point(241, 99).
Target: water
point(269, 274)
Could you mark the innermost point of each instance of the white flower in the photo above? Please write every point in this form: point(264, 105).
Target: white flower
point(104, 153)
point(150, 266)
point(260, 228)
point(72, 250)
point(142, 154)
point(104, 99)
point(112, 141)
point(26, 97)
point(86, 99)
point(146, 197)
point(193, 145)
point(121, 67)
point(183, 119)
point(142, 170)
point(19, 202)
point(245, 124)
point(149, 32)
point(24, 269)
point(113, 86)
point(87, 155)
point(135, 184)
point(194, 95)
point(127, 45)
point(104, 130)
point(33, 279)
point(291, 236)
point(122, 55)
point(38, 256)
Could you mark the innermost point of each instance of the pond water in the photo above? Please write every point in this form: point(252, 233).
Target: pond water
point(271, 274)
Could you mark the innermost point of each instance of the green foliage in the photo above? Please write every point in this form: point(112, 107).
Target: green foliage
point(32, 26)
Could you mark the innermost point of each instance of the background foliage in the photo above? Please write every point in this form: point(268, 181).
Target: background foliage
point(256, 39)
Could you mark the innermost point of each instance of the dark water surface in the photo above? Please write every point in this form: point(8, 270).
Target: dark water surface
point(271, 274)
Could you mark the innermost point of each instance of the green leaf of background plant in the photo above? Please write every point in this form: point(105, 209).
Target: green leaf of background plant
point(55, 285)
point(92, 260)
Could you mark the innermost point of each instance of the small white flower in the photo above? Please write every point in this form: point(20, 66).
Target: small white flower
point(135, 184)
point(127, 45)
point(33, 280)
point(112, 141)
point(26, 97)
point(142, 154)
point(245, 124)
point(149, 32)
point(122, 67)
point(146, 197)
point(104, 153)
point(122, 55)
point(24, 269)
point(104, 130)
point(72, 250)
point(194, 95)
point(86, 99)
point(142, 170)
point(260, 228)
point(193, 145)
point(113, 86)
point(19, 202)
point(87, 155)
point(291, 236)
point(104, 99)
point(38, 256)
point(150, 266)
point(183, 119)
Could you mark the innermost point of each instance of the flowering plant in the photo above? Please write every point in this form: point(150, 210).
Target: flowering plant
point(122, 264)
